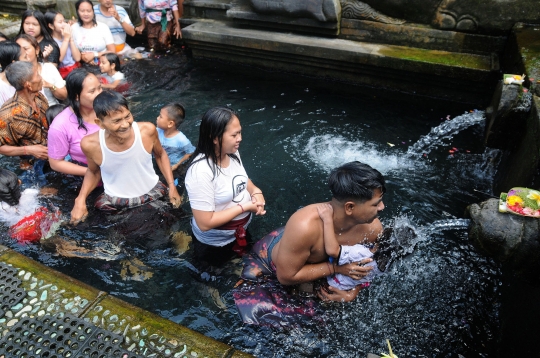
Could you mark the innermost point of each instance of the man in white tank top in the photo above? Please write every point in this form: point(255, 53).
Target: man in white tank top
point(120, 154)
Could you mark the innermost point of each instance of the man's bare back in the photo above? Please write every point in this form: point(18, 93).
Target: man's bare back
point(300, 252)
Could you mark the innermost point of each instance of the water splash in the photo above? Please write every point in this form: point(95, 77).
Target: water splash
point(445, 130)
point(329, 151)
point(28, 203)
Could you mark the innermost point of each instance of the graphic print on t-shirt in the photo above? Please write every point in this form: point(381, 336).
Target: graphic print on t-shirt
point(239, 185)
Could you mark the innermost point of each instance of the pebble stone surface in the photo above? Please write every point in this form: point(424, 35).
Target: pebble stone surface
point(52, 298)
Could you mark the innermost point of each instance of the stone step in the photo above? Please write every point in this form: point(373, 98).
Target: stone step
point(422, 71)
point(420, 36)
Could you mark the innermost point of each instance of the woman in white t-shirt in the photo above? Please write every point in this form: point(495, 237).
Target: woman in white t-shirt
point(91, 37)
point(54, 86)
point(221, 195)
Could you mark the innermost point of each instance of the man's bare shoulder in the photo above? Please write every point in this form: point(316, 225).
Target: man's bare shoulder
point(147, 128)
point(90, 143)
point(304, 224)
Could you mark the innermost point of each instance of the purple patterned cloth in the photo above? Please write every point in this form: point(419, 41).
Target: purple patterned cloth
point(261, 299)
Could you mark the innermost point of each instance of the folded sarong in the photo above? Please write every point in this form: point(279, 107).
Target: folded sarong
point(109, 203)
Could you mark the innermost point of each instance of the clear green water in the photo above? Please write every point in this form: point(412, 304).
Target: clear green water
point(440, 301)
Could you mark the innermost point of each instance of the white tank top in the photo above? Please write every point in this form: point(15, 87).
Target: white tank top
point(127, 174)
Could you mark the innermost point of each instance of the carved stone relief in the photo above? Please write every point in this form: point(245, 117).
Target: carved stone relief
point(353, 9)
point(321, 10)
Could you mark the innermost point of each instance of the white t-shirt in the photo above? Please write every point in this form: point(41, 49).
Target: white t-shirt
point(226, 190)
point(6, 92)
point(50, 74)
point(94, 39)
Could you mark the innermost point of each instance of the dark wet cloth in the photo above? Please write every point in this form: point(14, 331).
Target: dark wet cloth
point(158, 39)
point(258, 263)
point(259, 296)
point(269, 303)
point(112, 203)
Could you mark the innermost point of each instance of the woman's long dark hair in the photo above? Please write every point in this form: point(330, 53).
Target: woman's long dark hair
point(50, 15)
point(213, 125)
point(33, 42)
point(44, 29)
point(77, 4)
point(9, 52)
point(74, 86)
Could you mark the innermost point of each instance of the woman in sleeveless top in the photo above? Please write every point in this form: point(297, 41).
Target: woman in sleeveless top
point(221, 195)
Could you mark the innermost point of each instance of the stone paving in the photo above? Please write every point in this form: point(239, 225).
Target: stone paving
point(52, 295)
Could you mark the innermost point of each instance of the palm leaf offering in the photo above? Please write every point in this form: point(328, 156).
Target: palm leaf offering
point(521, 201)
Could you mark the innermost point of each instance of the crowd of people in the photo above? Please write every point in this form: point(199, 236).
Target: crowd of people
point(56, 110)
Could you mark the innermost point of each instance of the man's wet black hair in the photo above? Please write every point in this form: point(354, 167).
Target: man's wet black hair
point(10, 191)
point(355, 181)
point(108, 102)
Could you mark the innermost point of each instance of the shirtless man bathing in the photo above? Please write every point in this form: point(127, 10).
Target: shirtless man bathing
point(296, 254)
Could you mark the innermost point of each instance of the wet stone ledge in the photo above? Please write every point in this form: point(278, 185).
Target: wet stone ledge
point(50, 293)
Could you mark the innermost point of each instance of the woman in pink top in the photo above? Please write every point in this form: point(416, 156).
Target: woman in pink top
point(74, 123)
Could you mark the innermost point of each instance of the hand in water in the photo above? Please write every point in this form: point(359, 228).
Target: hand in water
point(330, 293)
point(326, 212)
point(174, 197)
point(79, 213)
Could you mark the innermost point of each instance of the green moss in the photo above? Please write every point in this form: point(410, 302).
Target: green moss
point(438, 57)
point(528, 40)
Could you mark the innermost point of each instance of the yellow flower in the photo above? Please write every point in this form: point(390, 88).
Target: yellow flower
point(534, 195)
point(513, 200)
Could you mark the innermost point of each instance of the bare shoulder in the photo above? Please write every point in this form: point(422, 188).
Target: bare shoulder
point(304, 225)
point(90, 143)
point(367, 232)
point(147, 128)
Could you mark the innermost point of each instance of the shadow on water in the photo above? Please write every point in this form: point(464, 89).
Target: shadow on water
point(441, 300)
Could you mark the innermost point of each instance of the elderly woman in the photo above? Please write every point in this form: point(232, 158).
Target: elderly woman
point(73, 123)
point(23, 125)
point(221, 195)
point(33, 24)
point(91, 37)
point(9, 53)
point(54, 87)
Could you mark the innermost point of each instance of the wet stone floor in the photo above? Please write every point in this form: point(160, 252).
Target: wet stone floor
point(46, 314)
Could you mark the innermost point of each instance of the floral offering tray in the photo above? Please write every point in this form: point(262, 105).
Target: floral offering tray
point(521, 201)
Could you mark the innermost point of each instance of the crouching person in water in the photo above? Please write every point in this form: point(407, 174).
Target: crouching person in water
point(120, 154)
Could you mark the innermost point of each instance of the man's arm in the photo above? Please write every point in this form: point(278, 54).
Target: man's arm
point(91, 178)
point(149, 133)
point(39, 151)
point(294, 249)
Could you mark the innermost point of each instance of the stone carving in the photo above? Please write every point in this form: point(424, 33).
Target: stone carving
point(449, 20)
point(321, 10)
point(353, 9)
